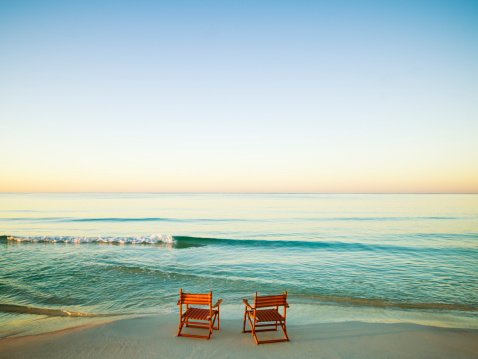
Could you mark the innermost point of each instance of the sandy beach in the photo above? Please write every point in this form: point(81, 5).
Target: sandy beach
point(154, 337)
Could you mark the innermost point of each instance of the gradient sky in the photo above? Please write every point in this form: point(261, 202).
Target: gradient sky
point(246, 96)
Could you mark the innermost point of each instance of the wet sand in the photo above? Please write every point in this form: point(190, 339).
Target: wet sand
point(154, 337)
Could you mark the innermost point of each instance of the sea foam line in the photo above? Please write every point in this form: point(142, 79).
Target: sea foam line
point(19, 309)
point(153, 239)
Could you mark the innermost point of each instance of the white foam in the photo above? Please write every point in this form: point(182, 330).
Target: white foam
point(153, 239)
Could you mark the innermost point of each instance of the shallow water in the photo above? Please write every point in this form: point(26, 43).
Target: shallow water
point(67, 258)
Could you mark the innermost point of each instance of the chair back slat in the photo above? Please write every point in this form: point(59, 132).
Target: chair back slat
point(198, 299)
point(270, 301)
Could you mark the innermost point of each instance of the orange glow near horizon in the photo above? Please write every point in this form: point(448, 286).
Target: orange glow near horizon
point(246, 182)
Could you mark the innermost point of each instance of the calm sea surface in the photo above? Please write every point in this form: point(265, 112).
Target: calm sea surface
point(66, 259)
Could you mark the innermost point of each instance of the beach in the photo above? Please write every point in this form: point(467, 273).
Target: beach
point(99, 275)
point(153, 336)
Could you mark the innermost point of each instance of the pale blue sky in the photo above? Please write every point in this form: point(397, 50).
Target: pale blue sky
point(259, 96)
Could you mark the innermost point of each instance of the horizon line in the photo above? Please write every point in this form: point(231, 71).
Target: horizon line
point(152, 192)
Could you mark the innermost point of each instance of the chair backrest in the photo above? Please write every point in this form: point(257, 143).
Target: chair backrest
point(270, 300)
point(193, 298)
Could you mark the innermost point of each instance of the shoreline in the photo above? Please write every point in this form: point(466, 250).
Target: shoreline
point(152, 336)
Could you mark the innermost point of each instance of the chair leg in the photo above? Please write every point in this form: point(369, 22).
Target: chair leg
point(250, 323)
point(284, 329)
point(254, 332)
point(210, 330)
point(180, 327)
point(215, 316)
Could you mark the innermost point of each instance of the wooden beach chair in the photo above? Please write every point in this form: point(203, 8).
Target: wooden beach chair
point(263, 313)
point(198, 317)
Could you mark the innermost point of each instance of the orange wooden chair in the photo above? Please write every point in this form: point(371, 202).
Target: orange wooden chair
point(270, 316)
point(198, 317)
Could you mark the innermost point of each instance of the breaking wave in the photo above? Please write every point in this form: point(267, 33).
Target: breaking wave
point(153, 239)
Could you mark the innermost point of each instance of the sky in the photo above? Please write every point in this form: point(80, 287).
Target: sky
point(239, 96)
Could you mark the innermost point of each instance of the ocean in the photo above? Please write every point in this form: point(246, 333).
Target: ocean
point(69, 259)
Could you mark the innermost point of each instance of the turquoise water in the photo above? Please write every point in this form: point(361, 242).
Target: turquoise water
point(69, 258)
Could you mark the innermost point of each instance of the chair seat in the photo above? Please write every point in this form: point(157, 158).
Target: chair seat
point(197, 313)
point(267, 315)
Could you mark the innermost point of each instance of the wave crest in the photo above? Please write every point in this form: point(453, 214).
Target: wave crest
point(153, 239)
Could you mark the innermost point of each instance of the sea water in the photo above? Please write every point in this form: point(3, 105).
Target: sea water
point(66, 259)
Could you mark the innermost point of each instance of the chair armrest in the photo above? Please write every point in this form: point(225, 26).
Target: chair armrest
point(217, 303)
point(179, 301)
point(247, 303)
point(286, 305)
